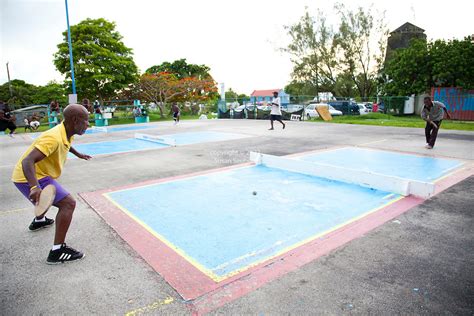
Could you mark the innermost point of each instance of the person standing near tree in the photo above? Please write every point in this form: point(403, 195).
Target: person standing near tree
point(176, 112)
point(433, 114)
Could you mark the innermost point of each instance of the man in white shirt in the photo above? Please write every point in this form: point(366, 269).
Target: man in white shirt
point(275, 114)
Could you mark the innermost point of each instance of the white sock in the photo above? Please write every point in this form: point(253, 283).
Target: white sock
point(56, 247)
point(40, 220)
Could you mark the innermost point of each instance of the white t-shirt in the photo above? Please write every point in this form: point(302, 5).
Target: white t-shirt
point(276, 108)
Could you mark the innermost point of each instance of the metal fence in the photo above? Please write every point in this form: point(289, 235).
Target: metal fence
point(125, 108)
point(303, 106)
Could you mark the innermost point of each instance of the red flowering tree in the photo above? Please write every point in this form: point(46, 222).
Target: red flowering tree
point(163, 87)
point(159, 88)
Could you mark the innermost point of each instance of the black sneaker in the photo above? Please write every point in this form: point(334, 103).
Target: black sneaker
point(64, 254)
point(38, 225)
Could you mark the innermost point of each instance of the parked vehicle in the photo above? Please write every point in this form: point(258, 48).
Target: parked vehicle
point(346, 107)
point(293, 107)
point(310, 110)
point(363, 110)
point(333, 111)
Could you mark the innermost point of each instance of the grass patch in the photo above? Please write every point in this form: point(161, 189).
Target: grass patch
point(381, 119)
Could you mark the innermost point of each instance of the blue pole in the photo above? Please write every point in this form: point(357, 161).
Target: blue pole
point(70, 51)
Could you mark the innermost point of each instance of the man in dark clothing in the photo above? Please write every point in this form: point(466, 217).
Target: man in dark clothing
point(176, 112)
point(6, 119)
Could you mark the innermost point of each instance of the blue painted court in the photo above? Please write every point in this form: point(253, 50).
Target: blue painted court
point(118, 128)
point(127, 128)
point(115, 147)
point(133, 144)
point(109, 130)
point(389, 163)
point(216, 222)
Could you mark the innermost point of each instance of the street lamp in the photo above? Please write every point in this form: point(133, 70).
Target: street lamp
point(70, 55)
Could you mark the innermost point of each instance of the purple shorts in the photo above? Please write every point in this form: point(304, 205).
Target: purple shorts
point(24, 188)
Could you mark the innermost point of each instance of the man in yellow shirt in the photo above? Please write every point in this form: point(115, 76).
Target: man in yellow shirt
point(40, 165)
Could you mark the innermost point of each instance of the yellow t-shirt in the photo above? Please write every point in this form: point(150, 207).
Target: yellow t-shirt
point(55, 146)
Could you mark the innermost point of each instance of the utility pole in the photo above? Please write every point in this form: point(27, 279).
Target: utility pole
point(9, 83)
point(73, 96)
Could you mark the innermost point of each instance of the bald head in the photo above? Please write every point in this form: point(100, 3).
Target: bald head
point(75, 119)
point(74, 110)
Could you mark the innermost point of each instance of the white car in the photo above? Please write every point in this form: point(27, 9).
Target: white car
point(363, 109)
point(333, 111)
point(311, 112)
point(264, 107)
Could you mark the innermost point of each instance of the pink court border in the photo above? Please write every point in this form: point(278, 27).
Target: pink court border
point(204, 294)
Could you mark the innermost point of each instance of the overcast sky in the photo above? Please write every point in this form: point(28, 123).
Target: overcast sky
point(238, 40)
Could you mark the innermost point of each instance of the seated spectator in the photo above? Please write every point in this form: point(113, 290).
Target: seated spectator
point(97, 107)
point(35, 121)
point(26, 121)
point(97, 110)
point(137, 111)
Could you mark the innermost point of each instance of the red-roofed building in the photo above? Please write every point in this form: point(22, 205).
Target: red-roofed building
point(258, 96)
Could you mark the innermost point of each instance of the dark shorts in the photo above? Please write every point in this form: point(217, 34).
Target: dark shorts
point(175, 114)
point(274, 117)
point(61, 193)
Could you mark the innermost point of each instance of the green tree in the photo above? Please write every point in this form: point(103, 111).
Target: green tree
point(300, 91)
point(312, 52)
point(22, 93)
point(424, 65)
point(408, 71)
point(231, 95)
point(51, 91)
point(324, 60)
point(181, 69)
point(345, 85)
point(103, 65)
point(359, 60)
point(452, 63)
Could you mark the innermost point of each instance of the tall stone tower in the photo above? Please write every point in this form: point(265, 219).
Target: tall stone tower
point(401, 37)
